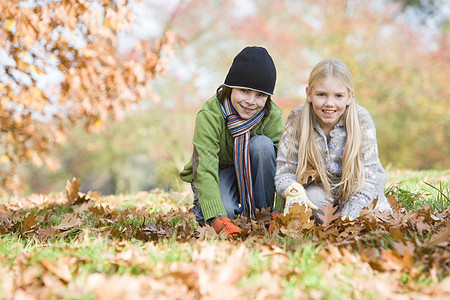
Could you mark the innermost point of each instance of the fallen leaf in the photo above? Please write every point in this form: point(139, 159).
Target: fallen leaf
point(442, 237)
point(421, 226)
point(263, 215)
point(298, 218)
point(29, 222)
point(391, 262)
point(72, 190)
point(60, 269)
point(46, 233)
point(328, 214)
point(393, 202)
point(69, 222)
point(205, 232)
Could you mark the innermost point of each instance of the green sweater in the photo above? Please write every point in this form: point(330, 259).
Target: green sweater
point(213, 149)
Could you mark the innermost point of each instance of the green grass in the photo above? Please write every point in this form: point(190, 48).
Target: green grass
point(414, 178)
point(10, 246)
point(437, 197)
point(414, 189)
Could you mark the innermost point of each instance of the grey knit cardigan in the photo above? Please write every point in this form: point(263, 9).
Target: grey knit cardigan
point(332, 150)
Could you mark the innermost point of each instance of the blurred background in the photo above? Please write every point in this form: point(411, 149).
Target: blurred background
point(397, 50)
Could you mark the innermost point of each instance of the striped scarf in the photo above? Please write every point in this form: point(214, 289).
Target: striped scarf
point(240, 130)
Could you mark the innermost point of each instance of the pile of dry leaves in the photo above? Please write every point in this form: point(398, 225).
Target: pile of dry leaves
point(415, 242)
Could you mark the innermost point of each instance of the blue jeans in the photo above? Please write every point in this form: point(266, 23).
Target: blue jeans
point(262, 163)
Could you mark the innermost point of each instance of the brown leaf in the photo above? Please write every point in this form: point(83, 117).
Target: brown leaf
point(328, 234)
point(328, 214)
point(46, 233)
point(69, 222)
point(309, 176)
point(263, 215)
point(83, 207)
point(205, 232)
point(373, 204)
point(393, 202)
point(440, 238)
point(140, 235)
point(385, 216)
point(29, 222)
point(72, 191)
point(98, 210)
point(350, 233)
point(421, 226)
point(152, 231)
point(29, 276)
point(397, 233)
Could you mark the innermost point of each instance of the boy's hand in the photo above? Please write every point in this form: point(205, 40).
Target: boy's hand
point(223, 224)
point(296, 193)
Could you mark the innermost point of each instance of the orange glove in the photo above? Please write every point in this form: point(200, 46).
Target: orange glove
point(223, 224)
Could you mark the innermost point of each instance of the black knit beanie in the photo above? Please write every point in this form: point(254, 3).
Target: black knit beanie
point(252, 68)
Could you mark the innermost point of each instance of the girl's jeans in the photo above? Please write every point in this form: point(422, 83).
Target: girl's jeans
point(262, 163)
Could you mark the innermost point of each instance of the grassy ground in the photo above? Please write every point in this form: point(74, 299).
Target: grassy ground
point(148, 246)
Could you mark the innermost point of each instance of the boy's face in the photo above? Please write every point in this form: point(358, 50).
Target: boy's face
point(247, 103)
point(329, 100)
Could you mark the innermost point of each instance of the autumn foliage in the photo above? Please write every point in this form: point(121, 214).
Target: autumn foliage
point(63, 66)
point(385, 254)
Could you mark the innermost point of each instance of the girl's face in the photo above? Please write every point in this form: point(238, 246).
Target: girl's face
point(247, 102)
point(329, 99)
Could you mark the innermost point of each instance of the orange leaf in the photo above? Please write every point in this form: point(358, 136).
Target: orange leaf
point(297, 219)
point(391, 261)
point(61, 270)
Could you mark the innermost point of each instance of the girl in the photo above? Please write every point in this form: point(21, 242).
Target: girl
point(237, 130)
point(329, 145)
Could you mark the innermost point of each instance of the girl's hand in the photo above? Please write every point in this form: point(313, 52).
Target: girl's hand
point(296, 193)
point(353, 207)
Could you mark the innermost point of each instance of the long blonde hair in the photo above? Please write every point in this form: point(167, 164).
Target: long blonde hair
point(352, 178)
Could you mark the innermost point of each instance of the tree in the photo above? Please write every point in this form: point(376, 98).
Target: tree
point(73, 46)
point(424, 10)
point(141, 152)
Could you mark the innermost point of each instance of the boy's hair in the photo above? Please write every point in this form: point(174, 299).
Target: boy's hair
point(352, 178)
point(224, 92)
